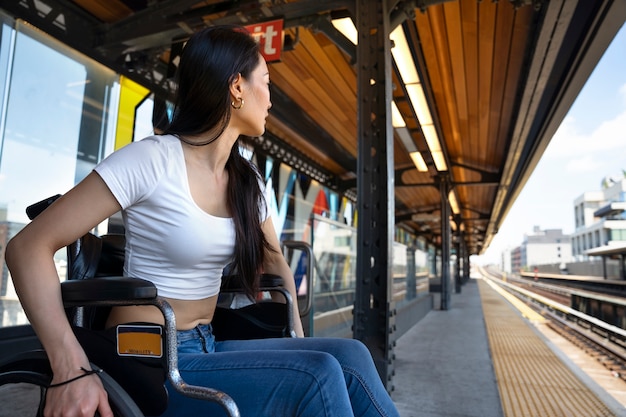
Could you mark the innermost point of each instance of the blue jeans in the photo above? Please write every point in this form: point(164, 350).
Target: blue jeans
point(304, 377)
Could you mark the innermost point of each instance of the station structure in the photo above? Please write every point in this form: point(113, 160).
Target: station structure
point(430, 117)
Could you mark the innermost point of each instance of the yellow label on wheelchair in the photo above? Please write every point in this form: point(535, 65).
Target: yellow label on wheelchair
point(139, 340)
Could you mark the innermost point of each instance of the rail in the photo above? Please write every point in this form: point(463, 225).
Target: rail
point(602, 337)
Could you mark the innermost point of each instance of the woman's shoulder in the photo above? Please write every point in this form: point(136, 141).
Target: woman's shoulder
point(133, 172)
point(151, 148)
point(156, 142)
point(148, 156)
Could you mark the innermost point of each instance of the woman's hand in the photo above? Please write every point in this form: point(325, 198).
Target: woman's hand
point(80, 398)
point(29, 256)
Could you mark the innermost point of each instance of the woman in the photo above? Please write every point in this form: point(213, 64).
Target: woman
point(192, 204)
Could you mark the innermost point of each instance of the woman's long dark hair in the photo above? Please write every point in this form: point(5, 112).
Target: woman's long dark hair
point(211, 60)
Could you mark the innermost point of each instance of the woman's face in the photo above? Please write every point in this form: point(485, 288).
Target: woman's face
point(256, 96)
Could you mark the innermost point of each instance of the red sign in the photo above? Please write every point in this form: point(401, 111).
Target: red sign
point(270, 36)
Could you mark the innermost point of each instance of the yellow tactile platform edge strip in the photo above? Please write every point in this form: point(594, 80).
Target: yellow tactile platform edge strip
point(532, 380)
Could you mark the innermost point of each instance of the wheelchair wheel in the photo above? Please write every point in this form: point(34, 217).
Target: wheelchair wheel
point(22, 391)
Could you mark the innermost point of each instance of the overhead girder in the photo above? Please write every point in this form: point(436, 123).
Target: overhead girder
point(180, 21)
point(562, 55)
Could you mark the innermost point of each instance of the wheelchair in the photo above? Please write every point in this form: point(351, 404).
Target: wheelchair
point(136, 383)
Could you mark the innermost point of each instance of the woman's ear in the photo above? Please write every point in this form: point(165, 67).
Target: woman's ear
point(236, 86)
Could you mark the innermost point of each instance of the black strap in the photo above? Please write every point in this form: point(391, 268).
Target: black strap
point(86, 372)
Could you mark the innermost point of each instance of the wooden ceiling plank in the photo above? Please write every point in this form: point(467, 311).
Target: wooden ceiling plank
point(335, 117)
point(308, 100)
point(340, 60)
point(519, 42)
point(440, 38)
point(280, 75)
point(344, 99)
point(338, 105)
point(329, 104)
point(328, 70)
point(300, 71)
point(289, 83)
point(109, 11)
point(503, 33)
point(486, 31)
point(452, 16)
point(469, 13)
point(433, 70)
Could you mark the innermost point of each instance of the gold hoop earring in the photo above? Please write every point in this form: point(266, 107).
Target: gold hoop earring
point(232, 104)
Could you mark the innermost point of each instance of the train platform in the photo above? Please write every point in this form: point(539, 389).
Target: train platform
point(486, 357)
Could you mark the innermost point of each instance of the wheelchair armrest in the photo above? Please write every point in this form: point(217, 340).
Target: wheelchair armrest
point(76, 292)
point(232, 283)
point(271, 281)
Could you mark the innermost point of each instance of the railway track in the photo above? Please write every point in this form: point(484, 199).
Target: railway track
point(602, 341)
point(612, 357)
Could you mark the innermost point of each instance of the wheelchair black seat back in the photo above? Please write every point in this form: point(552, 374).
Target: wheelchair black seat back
point(95, 283)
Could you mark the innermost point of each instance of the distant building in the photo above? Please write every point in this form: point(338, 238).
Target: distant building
point(600, 218)
point(516, 259)
point(505, 261)
point(543, 247)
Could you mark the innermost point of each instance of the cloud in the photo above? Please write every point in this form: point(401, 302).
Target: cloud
point(570, 143)
point(587, 163)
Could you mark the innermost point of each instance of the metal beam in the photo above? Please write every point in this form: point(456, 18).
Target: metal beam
point(444, 189)
point(74, 27)
point(374, 312)
point(570, 38)
point(343, 43)
point(180, 20)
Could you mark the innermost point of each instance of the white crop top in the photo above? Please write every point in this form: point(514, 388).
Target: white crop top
point(170, 241)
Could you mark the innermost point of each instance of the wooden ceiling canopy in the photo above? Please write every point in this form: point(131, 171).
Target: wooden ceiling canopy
point(499, 78)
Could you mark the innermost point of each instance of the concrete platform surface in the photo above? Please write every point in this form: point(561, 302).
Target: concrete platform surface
point(485, 357)
point(443, 366)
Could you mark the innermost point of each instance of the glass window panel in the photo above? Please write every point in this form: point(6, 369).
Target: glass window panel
point(55, 124)
point(334, 246)
point(143, 119)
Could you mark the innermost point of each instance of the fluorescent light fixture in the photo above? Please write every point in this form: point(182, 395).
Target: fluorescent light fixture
point(347, 28)
point(418, 161)
point(415, 90)
point(432, 140)
point(406, 139)
point(402, 55)
point(416, 156)
point(440, 161)
point(430, 134)
point(418, 99)
point(408, 72)
point(396, 118)
point(453, 202)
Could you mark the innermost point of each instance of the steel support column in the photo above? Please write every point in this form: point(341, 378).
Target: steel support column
point(464, 258)
point(411, 276)
point(433, 262)
point(444, 189)
point(374, 321)
point(457, 268)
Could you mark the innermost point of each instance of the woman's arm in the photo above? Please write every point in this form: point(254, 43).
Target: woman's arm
point(275, 264)
point(29, 256)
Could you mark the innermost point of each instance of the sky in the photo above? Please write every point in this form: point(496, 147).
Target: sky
point(589, 145)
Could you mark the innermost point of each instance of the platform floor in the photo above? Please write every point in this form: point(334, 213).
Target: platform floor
point(482, 357)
